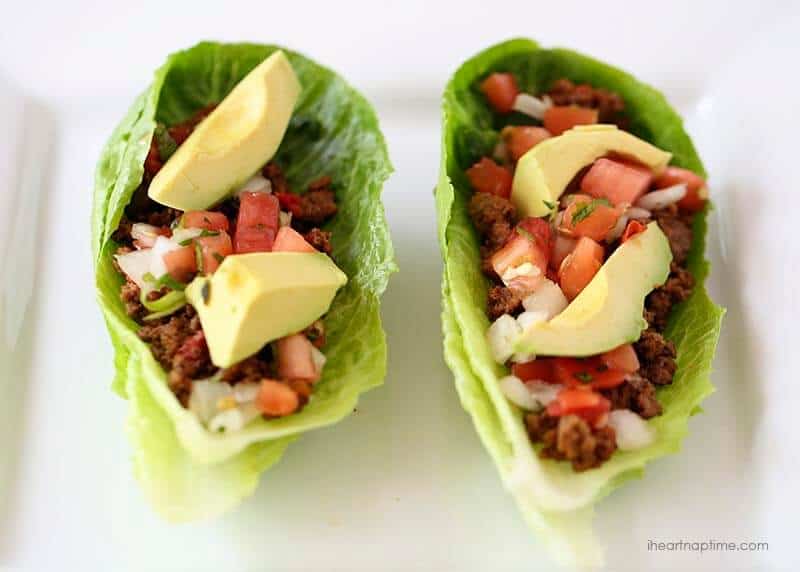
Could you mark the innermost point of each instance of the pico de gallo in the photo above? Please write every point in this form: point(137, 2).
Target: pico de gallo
point(577, 410)
point(160, 250)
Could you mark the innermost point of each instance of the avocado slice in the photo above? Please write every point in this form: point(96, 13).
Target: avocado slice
point(544, 172)
point(233, 142)
point(255, 298)
point(608, 312)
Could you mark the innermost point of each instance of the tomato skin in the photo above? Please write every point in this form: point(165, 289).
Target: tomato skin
point(578, 269)
point(539, 369)
point(276, 399)
point(623, 358)
point(213, 250)
point(596, 225)
point(207, 220)
point(257, 223)
point(696, 190)
point(539, 230)
point(590, 373)
point(486, 176)
point(501, 90)
point(618, 181)
point(521, 139)
point(294, 359)
point(181, 263)
point(587, 404)
point(558, 119)
point(289, 240)
point(634, 227)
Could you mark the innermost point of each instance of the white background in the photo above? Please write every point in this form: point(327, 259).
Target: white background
point(404, 483)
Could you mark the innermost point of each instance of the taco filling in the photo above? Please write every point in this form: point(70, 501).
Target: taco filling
point(585, 231)
point(229, 277)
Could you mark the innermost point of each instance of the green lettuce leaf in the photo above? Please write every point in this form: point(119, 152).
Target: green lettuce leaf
point(556, 501)
point(186, 471)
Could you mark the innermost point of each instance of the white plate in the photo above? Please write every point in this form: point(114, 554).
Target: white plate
point(404, 483)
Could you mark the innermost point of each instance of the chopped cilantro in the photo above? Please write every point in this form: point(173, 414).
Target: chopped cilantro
point(205, 291)
point(218, 257)
point(584, 376)
point(549, 204)
point(583, 210)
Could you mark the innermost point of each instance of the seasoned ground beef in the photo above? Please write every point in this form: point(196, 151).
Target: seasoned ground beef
point(316, 207)
point(274, 173)
point(319, 239)
point(660, 301)
point(181, 131)
point(678, 229)
point(502, 300)
point(636, 394)
point(191, 361)
point(656, 357)
point(570, 438)
point(129, 293)
point(494, 217)
point(609, 105)
point(252, 369)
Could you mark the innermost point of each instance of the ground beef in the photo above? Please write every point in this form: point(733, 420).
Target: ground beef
point(609, 105)
point(494, 217)
point(636, 394)
point(191, 361)
point(252, 369)
point(129, 294)
point(678, 229)
point(316, 334)
point(660, 301)
point(153, 162)
point(181, 131)
point(656, 357)
point(315, 207)
point(319, 239)
point(570, 438)
point(302, 388)
point(502, 300)
point(274, 173)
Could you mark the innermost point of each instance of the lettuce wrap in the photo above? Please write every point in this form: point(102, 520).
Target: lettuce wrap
point(556, 501)
point(186, 471)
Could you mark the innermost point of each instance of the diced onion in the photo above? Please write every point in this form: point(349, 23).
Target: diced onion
point(638, 213)
point(632, 431)
point(144, 234)
point(318, 358)
point(163, 245)
point(502, 336)
point(206, 394)
point(542, 391)
point(256, 184)
point(285, 218)
point(245, 391)
point(517, 393)
point(532, 106)
point(618, 229)
point(525, 269)
point(233, 419)
point(530, 317)
point(548, 299)
point(135, 265)
point(656, 200)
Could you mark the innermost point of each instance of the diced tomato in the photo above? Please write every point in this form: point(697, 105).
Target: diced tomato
point(257, 223)
point(696, 190)
point(501, 91)
point(587, 404)
point(213, 250)
point(289, 240)
point(181, 263)
point(486, 176)
point(590, 372)
point(634, 227)
point(589, 217)
point(562, 247)
point(289, 202)
point(539, 369)
point(207, 220)
point(539, 230)
point(623, 358)
point(579, 268)
point(520, 140)
point(294, 359)
point(619, 182)
point(276, 399)
point(558, 119)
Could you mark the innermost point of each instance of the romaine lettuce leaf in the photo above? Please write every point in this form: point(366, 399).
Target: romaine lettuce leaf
point(334, 131)
point(556, 501)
